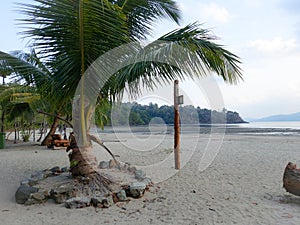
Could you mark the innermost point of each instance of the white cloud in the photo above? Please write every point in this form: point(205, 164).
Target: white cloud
point(276, 45)
point(215, 12)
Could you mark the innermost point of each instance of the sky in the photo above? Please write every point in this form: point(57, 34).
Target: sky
point(265, 34)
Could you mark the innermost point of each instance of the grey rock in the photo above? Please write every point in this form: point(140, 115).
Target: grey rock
point(122, 196)
point(62, 193)
point(132, 169)
point(65, 188)
point(139, 174)
point(23, 193)
point(104, 202)
point(137, 189)
point(104, 165)
point(47, 173)
point(24, 182)
point(55, 169)
point(59, 198)
point(38, 176)
point(147, 181)
point(38, 196)
point(77, 202)
point(65, 169)
point(33, 181)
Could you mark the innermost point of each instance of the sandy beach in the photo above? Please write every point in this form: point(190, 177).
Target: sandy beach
point(242, 185)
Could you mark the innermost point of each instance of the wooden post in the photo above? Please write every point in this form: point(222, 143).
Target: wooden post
point(176, 126)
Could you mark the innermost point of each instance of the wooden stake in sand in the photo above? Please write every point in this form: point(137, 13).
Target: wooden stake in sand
point(177, 101)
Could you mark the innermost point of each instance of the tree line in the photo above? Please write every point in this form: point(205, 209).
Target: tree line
point(135, 114)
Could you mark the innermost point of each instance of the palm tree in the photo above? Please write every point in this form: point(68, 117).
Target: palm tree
point(29, 69)
point(16, 100)
point(5, 70)
point(69, 35)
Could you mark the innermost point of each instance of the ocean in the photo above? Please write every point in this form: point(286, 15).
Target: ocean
point(253, 128)
point(279, 124)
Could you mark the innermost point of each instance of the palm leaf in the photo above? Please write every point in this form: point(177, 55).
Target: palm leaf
point(142, 14)
point(187, 52)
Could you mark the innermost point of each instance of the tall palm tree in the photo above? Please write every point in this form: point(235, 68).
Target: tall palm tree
point(69, 35)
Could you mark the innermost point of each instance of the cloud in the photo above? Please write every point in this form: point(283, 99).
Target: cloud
point(276, 45)
point(215, 12)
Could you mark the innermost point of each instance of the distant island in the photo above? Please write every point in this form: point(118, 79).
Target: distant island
point(144, 114)
point(281, 117)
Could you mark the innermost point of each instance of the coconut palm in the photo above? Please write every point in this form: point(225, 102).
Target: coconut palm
point(69, 35)
point(16, 100)
point(29, 69)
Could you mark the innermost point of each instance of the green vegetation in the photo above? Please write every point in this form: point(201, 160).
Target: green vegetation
point(136, 114)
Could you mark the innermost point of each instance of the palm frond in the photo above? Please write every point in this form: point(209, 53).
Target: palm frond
point(187, 52)
point(142, 14)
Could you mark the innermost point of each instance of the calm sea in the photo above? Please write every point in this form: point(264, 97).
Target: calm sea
point(279, 124)
point(253, 128)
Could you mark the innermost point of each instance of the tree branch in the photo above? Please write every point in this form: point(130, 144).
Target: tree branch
point(49, 114)
point(98, 141)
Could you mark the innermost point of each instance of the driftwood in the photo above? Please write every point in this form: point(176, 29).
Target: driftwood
point(291, 179)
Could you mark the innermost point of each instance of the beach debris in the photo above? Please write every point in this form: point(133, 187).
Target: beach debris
point(291, 179)
point(57, 184)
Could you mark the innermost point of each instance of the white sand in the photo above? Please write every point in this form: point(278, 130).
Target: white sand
point(243, 185)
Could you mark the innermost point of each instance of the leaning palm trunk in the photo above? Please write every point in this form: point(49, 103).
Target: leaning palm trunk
point(82, 160)
point(52, 130)
point(83, 163)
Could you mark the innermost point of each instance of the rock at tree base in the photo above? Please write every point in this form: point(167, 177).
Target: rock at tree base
point(102, 202)
point(23, 193)
point(55, 169)
point(121, 195)
point(103, 165)
point(139, 174)
point(81, 192)
point(137, 189)
point(78, 202)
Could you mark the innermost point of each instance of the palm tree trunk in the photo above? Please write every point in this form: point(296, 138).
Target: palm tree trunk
point(15, 141)
point(2, 121)
point(48, 138)
point(82, 160)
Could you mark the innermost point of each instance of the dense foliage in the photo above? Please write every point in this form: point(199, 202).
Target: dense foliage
point(137, 114)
